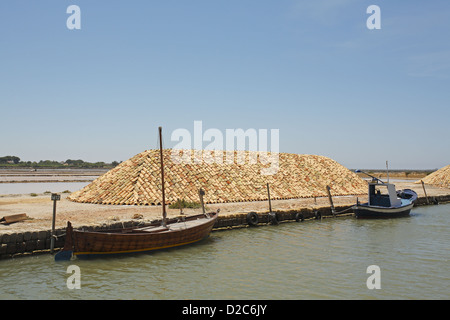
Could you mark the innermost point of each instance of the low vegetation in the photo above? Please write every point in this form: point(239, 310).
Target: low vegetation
point(181, 204)
point(15, 162)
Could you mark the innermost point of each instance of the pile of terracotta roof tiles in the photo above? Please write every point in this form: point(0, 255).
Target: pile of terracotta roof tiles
point(439, 178)
point(137, 181)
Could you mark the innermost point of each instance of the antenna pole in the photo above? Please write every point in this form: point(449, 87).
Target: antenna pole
point(387, 171)
point(374, 178)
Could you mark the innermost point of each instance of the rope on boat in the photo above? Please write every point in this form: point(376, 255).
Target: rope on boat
point(345, 210)
point(57, 236)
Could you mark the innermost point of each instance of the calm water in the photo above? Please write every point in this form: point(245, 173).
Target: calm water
point(310, 260)
point(31, 187)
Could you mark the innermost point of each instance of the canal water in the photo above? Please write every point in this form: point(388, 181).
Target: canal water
point(325, 259)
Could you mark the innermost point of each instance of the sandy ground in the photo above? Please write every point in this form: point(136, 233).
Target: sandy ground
point(40, 209)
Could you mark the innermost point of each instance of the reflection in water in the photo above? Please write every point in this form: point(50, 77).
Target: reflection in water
point(310, 260)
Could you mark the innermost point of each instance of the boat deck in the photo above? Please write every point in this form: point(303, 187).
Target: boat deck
point(171, 227)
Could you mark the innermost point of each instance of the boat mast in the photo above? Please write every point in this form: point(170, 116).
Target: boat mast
point(162, 179)
point(387, 171)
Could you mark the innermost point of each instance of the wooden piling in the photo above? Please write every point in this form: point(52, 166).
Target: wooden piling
point(201, 193)
point(333, 210)
point(426, 197)
point(268, 195)
point(55, 197)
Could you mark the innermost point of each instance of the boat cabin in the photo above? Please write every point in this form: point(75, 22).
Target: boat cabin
point(383, 195)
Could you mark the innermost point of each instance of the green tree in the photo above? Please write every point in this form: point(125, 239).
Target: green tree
point(7, 159)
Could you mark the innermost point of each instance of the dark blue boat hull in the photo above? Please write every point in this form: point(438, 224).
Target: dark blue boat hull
point(363, 211)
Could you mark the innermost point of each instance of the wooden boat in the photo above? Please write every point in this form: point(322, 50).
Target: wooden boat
point(177, 232)
point(387, 204)
point(165, 234)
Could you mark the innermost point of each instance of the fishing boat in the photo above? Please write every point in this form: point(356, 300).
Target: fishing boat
point(385, 201)
point(160, 235)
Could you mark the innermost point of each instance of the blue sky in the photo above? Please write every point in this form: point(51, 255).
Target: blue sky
point(311, 69)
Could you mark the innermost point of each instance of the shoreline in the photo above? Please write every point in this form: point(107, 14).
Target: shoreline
point(39, 208)
point(33, 235)
point(27, 243)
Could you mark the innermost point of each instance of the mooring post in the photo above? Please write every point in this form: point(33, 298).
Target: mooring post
point(333, 211)
point(55, 197)
point(272, 216)
point(201, 193)
point(268, 195)
point(180, 205)
point(423, 186)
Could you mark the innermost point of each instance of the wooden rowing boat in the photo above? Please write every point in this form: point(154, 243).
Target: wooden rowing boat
point(177, 232)
point(165, 234)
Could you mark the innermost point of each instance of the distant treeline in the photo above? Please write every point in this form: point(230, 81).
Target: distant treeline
point(13, 161)
point(398, 173)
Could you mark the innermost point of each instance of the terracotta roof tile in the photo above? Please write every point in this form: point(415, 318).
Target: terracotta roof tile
point(137, 180)
point(440, 178)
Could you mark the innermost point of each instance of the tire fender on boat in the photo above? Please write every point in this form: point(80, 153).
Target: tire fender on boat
point(252, 218)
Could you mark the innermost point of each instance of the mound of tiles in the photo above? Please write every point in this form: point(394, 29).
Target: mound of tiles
point(137, 181)
point(440, 178)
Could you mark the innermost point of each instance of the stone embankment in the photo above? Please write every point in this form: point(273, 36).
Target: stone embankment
point(35, 242)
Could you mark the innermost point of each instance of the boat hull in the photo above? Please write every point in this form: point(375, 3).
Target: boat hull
point(369, 212)
point(85, 243)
